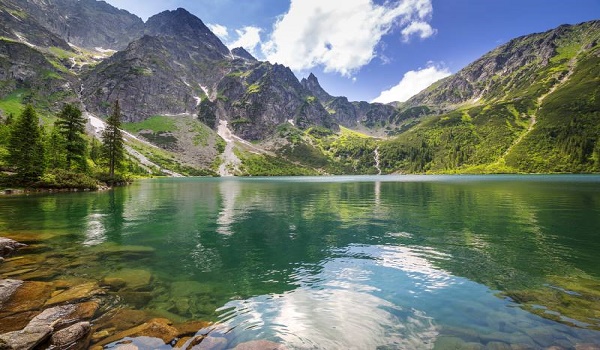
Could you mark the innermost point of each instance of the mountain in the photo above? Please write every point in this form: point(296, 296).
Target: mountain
point(84, 23)
point(350, 114)
point(180, 67)
point(527, 106)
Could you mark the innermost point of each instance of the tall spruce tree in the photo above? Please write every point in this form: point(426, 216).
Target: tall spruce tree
point(26, 147)
point(71, 125)
point(112, 141)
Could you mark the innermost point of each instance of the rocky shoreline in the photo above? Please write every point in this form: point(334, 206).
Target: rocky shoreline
point(38, 311)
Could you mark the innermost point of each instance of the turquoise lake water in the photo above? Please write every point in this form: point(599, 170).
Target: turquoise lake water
point(367, 262)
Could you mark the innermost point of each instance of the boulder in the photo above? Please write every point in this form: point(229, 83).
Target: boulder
point(70, 335)
point(8, 246)
point(7, 289)
point(27, 338)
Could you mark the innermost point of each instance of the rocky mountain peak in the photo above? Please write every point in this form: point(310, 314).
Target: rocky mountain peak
point(184, 26)
point(242, 53)
point(312, 84)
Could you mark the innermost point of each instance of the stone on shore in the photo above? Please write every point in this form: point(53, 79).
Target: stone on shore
point(27, 338)
point(8, 246)
point(70, 335)
point(7, 289)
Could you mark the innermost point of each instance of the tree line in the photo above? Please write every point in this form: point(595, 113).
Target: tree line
point(62, 156)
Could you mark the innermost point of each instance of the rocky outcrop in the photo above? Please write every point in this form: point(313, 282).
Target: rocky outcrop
point(8, 246)
point(85, 23)
point(240, 52)
point(347, 113)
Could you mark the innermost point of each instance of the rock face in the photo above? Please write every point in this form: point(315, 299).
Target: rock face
point(348, 113)
point(85, 23)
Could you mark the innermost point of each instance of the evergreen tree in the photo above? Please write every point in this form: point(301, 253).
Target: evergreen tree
point(95, 151)
point(25, 146)
point(55, 149)
point(71, 125)
point(112, 141)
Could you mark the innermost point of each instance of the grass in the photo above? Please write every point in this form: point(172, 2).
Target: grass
point(253, 89)
point(156, 124)
point(13, 103)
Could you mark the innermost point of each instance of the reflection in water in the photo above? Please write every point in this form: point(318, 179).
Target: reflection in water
point(95, 232)
point(389, 262)
point(229, 191)
point(344, 306)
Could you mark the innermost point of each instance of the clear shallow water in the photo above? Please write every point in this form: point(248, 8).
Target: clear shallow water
point(380, 262)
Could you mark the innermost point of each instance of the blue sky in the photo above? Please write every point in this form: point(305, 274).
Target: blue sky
point(373, 50)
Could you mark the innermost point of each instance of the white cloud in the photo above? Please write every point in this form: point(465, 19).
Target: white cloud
point(412, 83)
point(341, 38)
point(420, 28)
point(248, 38)
point(219, 30)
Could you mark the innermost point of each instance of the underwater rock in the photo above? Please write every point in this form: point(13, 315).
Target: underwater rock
point(8, 246)
point(70, 335)
point(76, 293)
point(587, 347)
point(134, 279)
point(449, 342)
point(159, 328)
point(29, 296)
point(260, 345)
point(16, 322)
point(497, 345)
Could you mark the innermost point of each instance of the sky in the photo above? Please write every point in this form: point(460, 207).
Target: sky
point(373, 50)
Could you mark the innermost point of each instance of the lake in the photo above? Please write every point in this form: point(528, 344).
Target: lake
point(358, 262)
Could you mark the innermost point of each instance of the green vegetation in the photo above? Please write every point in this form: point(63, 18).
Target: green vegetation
point(265, 165)
point(112, 149)
point(13, 102)
point(25, 147)
point(156, 124)
point(71, 129)
point(60, 157)
point(253, 89)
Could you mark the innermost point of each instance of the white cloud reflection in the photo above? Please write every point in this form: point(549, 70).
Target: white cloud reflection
point(347, 305)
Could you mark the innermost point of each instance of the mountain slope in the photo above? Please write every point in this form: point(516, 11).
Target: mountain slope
point(85, 23)
point(527, 106)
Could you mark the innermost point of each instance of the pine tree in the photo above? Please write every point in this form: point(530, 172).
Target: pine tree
point(25, 146)
point(71, 125)
point(55, 149)
point(112, 141)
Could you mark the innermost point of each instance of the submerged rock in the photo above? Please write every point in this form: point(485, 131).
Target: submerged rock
point(29, 296)
point(76, 293)
point(159, 328)
point(133, 279)
point(260, 345)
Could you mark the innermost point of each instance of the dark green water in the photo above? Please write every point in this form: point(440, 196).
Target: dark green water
point(349, 262)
